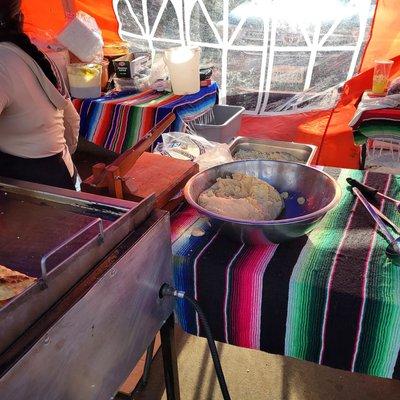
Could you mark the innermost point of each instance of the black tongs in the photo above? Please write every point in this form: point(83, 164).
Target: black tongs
point(371, 193)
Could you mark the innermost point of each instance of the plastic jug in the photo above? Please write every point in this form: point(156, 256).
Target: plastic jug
point(183, 65)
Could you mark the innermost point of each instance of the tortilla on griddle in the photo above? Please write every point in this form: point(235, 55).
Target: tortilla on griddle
point(12, 283)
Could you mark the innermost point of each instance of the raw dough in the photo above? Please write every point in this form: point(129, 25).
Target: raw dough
point(242, 197)
point(301, 200)
point(284, 195)
point(264, 155)
point(197, 232)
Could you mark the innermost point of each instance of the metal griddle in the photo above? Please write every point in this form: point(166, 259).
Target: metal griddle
point(56, 236)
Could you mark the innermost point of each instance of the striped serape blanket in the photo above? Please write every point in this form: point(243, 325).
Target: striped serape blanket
point(117, 121)
point(377, 124)
point(331, 297)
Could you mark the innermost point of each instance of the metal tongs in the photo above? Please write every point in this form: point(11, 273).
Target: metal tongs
point(393, 248)
point(371, 193)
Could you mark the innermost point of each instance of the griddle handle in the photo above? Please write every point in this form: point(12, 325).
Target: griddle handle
point(43, 267)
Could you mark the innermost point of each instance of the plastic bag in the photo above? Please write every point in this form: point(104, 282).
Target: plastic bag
point(317, 97)
point(194, 148)
point(159, 71)
point(217, 155)
point(394, 87)
point(83, 38)
point(140, 83)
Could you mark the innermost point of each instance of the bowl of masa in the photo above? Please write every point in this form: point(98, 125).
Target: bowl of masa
point(307, 194)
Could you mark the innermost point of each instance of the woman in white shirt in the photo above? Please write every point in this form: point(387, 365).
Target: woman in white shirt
point(38, 124)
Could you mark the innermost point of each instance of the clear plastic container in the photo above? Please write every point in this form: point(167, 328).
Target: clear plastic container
point(381, 76)
point(183, 66)
point(84, 80)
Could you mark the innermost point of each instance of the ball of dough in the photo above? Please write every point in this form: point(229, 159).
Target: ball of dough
point(242, 197)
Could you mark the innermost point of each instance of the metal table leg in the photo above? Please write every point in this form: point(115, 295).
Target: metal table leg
point(147, 365)
point(170, 359)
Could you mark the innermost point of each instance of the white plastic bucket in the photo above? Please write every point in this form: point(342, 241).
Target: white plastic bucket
point(84, 80)
point(183, 65)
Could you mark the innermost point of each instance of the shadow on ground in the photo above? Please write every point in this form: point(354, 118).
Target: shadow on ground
point(255, 375)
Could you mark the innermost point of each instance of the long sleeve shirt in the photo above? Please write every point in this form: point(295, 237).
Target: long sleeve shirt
point(31, 126)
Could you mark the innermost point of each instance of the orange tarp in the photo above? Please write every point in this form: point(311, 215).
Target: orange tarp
point(46, 18)
point(105, 17)
point(43, 18)
point(337, 144)
point(385, 36)
point(327, 129)
point(302, 127)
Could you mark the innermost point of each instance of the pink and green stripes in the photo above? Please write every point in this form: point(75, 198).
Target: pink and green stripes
point(308, 284)
point(244, 295)
point(331, 297)
point(344, 298)
point(379, 341)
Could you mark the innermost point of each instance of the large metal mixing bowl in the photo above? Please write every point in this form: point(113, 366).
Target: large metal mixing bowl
point(320, 191)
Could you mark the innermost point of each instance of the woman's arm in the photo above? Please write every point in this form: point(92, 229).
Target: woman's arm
point(71, 125)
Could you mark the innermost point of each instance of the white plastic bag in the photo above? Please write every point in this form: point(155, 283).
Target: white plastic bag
point(217, 155)
point(83, 38)
point(158, 78)
point(194, 148)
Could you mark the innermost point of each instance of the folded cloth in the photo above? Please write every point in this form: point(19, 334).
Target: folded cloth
point(377, 129)
point(374, 103)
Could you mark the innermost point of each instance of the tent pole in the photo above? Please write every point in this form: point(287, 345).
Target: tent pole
point(69, 7)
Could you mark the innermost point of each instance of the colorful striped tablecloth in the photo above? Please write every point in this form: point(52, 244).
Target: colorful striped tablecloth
point(116, 122)
point(331, 297)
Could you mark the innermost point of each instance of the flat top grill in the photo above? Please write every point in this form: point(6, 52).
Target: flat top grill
point(57, 236)
point(29, 230)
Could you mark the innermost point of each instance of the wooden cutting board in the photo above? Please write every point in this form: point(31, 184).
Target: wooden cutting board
point(153, 173)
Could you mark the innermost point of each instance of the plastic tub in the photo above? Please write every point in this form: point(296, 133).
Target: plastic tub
point(224, 125)
point(84, 80)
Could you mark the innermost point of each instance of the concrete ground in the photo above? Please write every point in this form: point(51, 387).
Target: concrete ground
point(256, 375)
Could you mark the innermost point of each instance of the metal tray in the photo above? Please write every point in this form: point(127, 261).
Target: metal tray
point(56, 236)
point(304, 152)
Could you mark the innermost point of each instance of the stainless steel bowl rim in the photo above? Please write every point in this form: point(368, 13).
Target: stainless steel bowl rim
point(303, 218)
